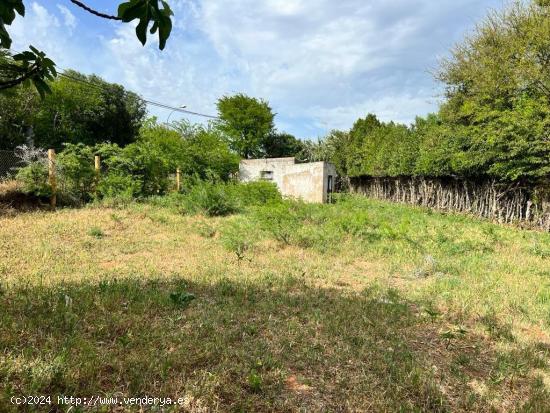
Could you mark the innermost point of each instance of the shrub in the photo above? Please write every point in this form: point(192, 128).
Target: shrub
point(96, 232)
point(182, 299)
point(256, 193)
point(34, 179)
point(74, 174)
point(118, 185)
point(196, 149)
point(211, 199)
point(238, 237)
point(282, 220)
point(218, 198)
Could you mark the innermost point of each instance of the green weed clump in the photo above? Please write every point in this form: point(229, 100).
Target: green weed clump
point(96, 232)
point(255, 193)
point(205, 229)
point(211, 199)
point(281, 221)
point(219, 198)
point(239, 237)
point(325, 228)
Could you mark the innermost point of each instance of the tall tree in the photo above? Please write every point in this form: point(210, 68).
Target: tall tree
point(280, 145)
point(498, 88)
point(495, 122)
point(80, 109)
point(247, 122)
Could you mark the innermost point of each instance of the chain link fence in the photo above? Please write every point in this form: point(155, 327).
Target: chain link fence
point(9, 163)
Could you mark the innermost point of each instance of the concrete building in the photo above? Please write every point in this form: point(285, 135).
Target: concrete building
point(311, 182)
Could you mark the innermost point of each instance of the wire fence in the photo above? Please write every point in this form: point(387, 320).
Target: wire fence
point(9, 163)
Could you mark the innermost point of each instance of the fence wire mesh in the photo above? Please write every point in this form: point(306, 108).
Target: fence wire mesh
point(9, 163)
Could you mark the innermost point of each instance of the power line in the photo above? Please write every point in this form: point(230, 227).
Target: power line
point(150, 102)
point(63, 72)
point(162, 105)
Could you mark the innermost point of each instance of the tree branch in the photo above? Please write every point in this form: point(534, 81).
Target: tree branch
point(17, 81)
point(94, 12)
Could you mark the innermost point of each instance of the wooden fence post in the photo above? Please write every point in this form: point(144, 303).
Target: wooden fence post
point(51, 177)
point(97, 164)
point(178, 179)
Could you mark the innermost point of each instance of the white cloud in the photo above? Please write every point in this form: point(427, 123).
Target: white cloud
point(335, 61)
point(43, 29)
point(395, 108)
point(69, 18)
point(181, 75)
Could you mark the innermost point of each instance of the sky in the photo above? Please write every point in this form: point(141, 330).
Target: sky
point(321, 64)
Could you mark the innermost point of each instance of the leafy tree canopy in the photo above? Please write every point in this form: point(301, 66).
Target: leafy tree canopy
point(498, 95)
point(247, 122)
point(281, 145)
point(79, 109)
point(197, 150)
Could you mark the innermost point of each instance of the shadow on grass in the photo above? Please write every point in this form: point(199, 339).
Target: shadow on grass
point(13, 201)
point(240, 346)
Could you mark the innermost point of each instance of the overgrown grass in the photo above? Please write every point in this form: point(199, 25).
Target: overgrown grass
point(284, 306)
point(219, 199)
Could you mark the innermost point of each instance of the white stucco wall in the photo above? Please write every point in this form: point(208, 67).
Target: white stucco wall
point(307, 181)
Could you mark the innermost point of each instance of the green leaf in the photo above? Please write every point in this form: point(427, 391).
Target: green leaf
point(7, 14)
point(36, 67)
point(20, 8)
point(24, 56)
point(167, 11)
point(141, 31)
point(134, 9)
point(123, 8)
point(36, 51)
point(40, 90)
point(148, 11)
point(165, 28)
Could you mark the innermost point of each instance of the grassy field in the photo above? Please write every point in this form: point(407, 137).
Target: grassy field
point(357, 306)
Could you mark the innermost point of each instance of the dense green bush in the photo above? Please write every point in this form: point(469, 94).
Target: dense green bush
point(34, 179)
point(212, 199)
point(205, 152)
point(74, 112)
point(75, 176)
point(141, 169)
point(117, 185)
point(256, 193)
point(219, 198)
